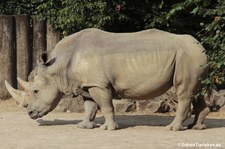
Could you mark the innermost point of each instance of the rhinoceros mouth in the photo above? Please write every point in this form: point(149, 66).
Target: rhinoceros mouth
point(35, 114)
point(34, 117)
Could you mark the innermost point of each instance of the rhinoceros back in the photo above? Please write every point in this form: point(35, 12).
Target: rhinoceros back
point(137, 65)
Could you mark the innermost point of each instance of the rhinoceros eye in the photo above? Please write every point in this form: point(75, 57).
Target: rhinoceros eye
point(36, 91)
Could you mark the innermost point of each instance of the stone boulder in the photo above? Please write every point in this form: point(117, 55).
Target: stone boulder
point(124, 105)
point(162, 104)
point(216, 100)
point(71, 104)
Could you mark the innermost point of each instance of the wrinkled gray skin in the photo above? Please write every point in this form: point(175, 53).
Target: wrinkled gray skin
point(137, 65)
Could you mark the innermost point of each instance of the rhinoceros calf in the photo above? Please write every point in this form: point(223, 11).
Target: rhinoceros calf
point(102, 65)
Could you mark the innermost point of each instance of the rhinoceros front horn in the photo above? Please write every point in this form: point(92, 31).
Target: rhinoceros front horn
point(19, 96)
point(26, 85)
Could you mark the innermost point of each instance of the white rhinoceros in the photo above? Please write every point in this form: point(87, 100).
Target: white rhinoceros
point(136, 65)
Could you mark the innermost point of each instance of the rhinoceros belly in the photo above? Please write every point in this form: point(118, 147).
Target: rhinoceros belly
point(140, 75)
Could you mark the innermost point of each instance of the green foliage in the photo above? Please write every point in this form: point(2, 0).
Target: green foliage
point(72, 15)
point(206, 22)
point(9, 7)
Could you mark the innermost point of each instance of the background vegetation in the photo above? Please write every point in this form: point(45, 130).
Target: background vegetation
point(204, 19)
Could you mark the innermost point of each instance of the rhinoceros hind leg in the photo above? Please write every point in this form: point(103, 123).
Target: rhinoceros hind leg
point(201, 110)
point(197, 126)
point(183, 92)
point(183, 112)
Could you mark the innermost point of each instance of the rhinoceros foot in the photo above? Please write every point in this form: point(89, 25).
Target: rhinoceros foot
point(86, 125)
point(109, 126)
point(175, 127)
point(197, 126)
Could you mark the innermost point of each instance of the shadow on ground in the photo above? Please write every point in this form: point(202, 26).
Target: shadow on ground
point(56, 122)
point(126, 121)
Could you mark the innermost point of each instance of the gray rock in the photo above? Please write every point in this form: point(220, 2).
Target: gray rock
point(216, 100)
point(70, 104)
point(164, 103)
point(222, 109)
point(124, 105)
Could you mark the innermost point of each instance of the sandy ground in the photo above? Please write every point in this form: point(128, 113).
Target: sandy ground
point(138, 131)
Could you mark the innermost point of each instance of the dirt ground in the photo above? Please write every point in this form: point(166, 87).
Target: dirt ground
point(138, 131)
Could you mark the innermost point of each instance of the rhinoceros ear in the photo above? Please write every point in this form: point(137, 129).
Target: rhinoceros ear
point(46, 61)
point(50, 62)
point(44, 58)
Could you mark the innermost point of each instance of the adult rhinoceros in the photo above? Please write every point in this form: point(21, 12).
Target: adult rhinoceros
point(137, 65)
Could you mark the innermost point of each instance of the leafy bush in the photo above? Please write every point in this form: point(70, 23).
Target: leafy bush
point(210, 27)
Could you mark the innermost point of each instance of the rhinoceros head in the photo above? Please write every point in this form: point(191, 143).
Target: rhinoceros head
point(41, 95)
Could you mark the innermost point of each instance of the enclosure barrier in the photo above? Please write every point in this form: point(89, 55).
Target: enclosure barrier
point(22, 40)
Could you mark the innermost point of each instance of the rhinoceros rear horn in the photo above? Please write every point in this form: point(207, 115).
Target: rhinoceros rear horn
point(20, 96)
point(26, 85)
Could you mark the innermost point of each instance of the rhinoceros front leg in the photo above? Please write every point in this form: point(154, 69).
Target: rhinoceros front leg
point(103, 98)
point(90, 108)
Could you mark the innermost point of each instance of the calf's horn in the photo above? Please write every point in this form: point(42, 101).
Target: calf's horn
point(19, 96)
point(26, 85)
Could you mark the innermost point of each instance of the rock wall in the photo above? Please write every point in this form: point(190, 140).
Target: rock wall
point(165, 103)
point(162, 104)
